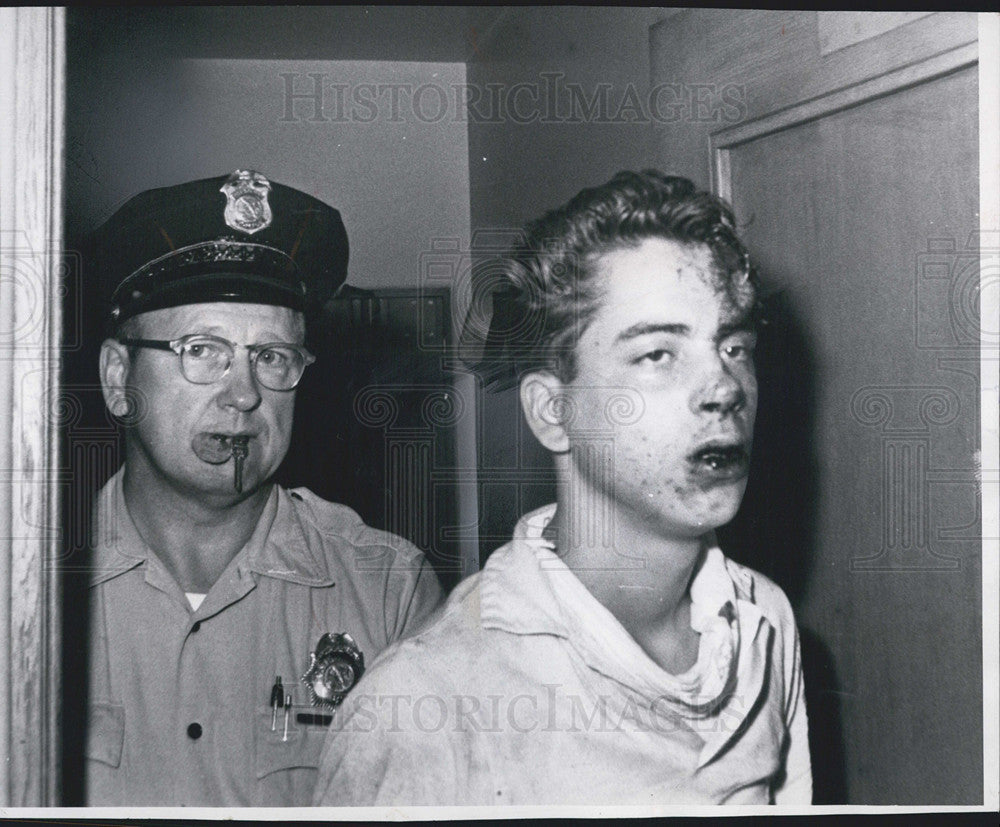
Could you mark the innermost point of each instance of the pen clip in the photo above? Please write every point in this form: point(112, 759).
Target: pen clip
point(277, 693)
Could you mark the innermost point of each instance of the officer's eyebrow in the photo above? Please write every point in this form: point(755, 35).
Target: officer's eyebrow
point(218, 330)
point(645, 328)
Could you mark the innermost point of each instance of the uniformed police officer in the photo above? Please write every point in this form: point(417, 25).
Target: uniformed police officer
point(215, 592)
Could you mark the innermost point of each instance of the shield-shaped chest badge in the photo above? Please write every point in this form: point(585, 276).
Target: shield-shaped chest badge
point(334, 668)
point(247, 209)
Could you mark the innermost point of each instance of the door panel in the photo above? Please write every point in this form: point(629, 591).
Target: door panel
point(842, 230)
point(859, 204)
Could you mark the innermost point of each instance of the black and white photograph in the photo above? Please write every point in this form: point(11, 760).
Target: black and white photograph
point(434, 412)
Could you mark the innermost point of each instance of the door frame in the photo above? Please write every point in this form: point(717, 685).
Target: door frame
point(721, 143)
point(32, 277)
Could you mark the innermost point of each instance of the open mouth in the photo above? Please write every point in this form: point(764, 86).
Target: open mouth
point(730, 460)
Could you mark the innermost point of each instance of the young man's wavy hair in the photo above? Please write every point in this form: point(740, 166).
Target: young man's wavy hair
point(548, 294)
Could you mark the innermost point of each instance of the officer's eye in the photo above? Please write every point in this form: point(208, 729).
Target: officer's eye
point(273, 357)
point(203, 350)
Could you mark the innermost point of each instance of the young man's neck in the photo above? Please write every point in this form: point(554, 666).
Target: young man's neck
point(194, 538)
point(641, 576)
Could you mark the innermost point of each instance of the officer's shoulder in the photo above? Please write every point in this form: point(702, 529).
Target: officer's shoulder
point(342, 523)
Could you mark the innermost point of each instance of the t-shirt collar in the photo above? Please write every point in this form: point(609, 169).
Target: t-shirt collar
point(527, 589)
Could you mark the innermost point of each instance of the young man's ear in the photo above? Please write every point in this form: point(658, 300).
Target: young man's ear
point(114, 367)
point(543, 400)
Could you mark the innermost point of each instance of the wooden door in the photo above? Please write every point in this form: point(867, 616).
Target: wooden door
point(848, 146)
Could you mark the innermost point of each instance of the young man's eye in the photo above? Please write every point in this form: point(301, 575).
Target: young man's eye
point(739, 351)
point(658, 356)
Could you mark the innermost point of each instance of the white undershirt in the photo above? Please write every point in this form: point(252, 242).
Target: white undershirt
point(194, 599)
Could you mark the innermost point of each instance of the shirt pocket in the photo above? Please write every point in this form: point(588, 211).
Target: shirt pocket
point(307, 728)
point(106, 733)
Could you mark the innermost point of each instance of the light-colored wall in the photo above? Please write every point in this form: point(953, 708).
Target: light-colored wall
point(398, 175)
point(519, 170)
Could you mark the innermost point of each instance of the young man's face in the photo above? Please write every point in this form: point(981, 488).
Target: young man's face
point(668, 337)
point(177, 413)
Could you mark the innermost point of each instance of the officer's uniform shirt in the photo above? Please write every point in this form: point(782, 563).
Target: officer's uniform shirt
point(180, 708)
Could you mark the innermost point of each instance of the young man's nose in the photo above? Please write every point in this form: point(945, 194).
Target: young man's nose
point(719, 392)
point(240, 389)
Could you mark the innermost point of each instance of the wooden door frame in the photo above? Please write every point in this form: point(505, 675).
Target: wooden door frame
point(31, 280)
point(722, 143)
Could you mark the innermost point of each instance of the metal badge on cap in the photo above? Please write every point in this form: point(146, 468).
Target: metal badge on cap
point(247, 209)
point(335, 666)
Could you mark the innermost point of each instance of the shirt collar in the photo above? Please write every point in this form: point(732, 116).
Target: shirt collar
point(290, 546)
point(279, 546)
point(527, 589)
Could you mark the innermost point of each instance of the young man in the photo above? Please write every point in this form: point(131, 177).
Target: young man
point(213, 589)
point(609, 653)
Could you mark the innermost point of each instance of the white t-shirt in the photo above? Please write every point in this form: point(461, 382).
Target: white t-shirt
point(194, 599)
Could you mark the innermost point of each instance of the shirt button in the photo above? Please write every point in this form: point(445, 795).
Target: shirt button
point(194, 731)
point(196, 626)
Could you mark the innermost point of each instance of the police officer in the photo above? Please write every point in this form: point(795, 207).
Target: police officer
point(229, 615)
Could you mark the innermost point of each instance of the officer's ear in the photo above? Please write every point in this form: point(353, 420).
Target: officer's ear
point(114, 366)
point(545, 405)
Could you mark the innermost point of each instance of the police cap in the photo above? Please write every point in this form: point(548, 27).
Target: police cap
point(235, 238)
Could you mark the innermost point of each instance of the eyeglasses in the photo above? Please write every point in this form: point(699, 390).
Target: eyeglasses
point(206, 359)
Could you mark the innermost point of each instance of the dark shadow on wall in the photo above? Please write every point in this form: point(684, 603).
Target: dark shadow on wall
point(774, 531)
point(375, 417)
point(91, 448)
point(826, 743)
point(516, 474)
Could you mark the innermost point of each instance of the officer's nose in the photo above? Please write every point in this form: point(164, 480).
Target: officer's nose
point(719, 391)
point(239, 386)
